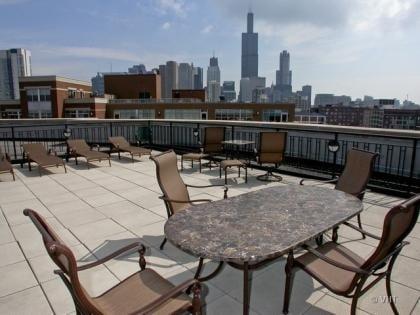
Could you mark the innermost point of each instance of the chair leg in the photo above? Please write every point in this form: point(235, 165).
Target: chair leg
point(359, 222)
point(29, 166)
point(132, 157)
point(246, 174)
point(239, 171)
point(199, 163)
point(109, 161)
point(65, 168)
point(289, 283)
point(220, 171)
point(319, 240)
point(119, 155)
point(226, 176)
point(335, 234)
point(182, 163)
point(13, 174)
point(196, 300)
point(388, 285)
point(162, 245)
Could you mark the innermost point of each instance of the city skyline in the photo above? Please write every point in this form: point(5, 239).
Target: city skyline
point(374, 54)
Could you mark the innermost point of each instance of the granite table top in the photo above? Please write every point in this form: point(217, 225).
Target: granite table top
point(262, 224)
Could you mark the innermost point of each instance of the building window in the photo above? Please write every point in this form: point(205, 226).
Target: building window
point(183, 114)
point(275, 115)
point(234, 114)
point(144, 95)
point(71, 93)
point(134, 114)
point(77, 113)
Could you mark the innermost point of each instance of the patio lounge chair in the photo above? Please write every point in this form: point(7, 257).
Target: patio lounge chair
point(344, 272)
point(355, 176)
point(79, 147)
point(271, 151)
point(121, 145)
point(144, 292)
point(35, 152)
point(175, 191)
point(213, 137)
point(5, 165)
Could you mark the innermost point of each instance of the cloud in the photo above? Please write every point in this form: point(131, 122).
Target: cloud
point(322, 15)
point(166, 26)
point(207, 29)
point(92, 52)
point(175, 6)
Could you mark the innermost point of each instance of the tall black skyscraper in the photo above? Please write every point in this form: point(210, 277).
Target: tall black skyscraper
point(249, 67)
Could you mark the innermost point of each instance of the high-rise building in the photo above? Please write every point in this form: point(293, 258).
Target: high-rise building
point(137, 69)
point(249, 67)
point(185, 76)
point(213, 80)
point(162, 72)
point(14, 63)
point(284, 74)
point(171, 78)
point(228, 91)
point(248, 85)
point(198, 78)
point(307, 92)
point(98, 86)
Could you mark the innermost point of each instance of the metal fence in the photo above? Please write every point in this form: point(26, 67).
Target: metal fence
point(397, 169)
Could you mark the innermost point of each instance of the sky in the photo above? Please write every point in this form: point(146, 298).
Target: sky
point(351, 47)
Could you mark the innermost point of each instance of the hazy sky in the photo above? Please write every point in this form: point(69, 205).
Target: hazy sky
point(353, 47)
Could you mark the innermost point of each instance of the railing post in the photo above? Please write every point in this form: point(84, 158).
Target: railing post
point(14, 143)
point(171, 138)
point(413, 162)
point(110, 129)
point(335, 156)
point(149, 125)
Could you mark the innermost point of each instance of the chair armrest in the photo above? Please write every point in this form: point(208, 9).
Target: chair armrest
point(184, 201)
point(50, 151)
point(331, 181)
point(138, 246)
point(334, 262)
point(148, 309)
point(361, 230)
point(225, 188)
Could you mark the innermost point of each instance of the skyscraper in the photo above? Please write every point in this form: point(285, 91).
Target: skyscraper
point(162, 73)
point(171, 78)
point(185, 76)
point(198, 78)
point(14, 63)
point(213, 81)
point(137, 69)
point(307, 92)
point(284, 75)
point(249, 66)
point(228, 91)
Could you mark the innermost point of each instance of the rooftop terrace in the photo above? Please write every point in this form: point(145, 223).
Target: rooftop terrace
point(101, 209)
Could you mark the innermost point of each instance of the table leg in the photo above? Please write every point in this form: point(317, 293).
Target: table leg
point(247, 289)
point(335, 234)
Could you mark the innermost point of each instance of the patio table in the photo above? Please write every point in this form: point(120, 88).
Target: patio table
point(237, 144)
point(252, 229)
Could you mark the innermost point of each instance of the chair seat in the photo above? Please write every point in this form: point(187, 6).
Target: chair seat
point(91, 154)
point(5, 166)
point(194, 156)
point(229, 163)
point(136, 150)
point(140, 290)
point(46, 160)
point(336, 279)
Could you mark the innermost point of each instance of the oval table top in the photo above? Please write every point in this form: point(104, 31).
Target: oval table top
point(261, 224)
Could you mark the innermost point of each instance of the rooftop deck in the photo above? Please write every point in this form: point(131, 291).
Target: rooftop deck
point(99, 210)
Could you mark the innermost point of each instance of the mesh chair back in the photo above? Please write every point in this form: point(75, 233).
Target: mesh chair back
point(120, 142)
point(64, 258)
point(170, 181)
point(213, 137)
point(78, 145)
point(272, 147)
point(398, 223)
point(357, 171)
point(34, 149)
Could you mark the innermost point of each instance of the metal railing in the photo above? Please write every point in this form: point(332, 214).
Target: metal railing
point(397, 168)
